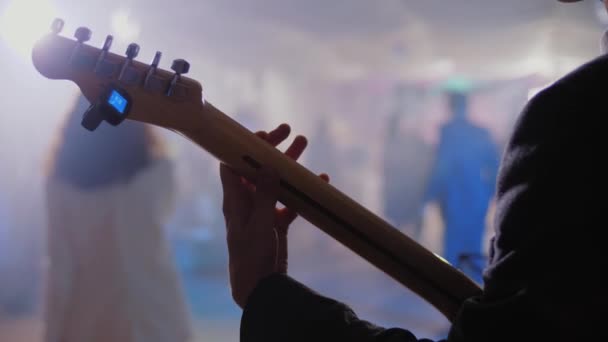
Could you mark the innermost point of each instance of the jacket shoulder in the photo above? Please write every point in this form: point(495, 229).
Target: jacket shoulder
point(587, 79)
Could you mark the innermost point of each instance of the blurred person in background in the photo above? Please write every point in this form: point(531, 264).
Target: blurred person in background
point(111, 275)
point(462, 182)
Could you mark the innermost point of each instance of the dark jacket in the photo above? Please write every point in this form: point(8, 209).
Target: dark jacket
point(544, 281)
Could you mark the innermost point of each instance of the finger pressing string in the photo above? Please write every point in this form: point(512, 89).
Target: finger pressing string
point(278, 135)
point(297, 147)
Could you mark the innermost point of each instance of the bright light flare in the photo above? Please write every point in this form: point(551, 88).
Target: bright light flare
point(123, 25)
point(23, 22)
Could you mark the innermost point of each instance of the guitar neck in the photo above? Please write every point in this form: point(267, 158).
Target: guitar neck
point(333, 212)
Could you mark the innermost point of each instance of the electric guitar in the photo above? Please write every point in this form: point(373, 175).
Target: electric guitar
point(122, 88)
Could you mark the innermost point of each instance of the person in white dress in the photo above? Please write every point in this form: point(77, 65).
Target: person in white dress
point(110, 272)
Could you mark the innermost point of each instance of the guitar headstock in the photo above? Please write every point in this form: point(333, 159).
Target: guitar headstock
point(118, 86)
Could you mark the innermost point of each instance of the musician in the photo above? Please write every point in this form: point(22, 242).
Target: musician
point(544, 281)
point(111, 275)
point(462, 182)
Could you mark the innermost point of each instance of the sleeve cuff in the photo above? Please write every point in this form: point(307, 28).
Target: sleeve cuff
point(269, 308)
point(282, 309)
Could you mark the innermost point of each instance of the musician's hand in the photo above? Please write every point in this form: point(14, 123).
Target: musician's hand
point(256, 229)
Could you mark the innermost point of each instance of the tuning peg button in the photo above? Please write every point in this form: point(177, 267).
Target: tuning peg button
point(82, 34)
point(180, 67)
point(57, 26)
point(132, 51)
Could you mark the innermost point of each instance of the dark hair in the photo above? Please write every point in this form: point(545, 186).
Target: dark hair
point(106, 156)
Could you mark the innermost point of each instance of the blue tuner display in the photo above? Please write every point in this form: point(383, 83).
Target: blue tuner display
point(118, 102)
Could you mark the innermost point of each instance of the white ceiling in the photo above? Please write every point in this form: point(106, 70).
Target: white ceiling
point(342, 38)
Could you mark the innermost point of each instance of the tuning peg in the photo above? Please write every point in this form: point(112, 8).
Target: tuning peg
point(104, 52)
point(82, 34)
point(180, 67)
point(153, 68)
point(132, 52)
point(156, 59)
point(107, 43)
point(57, 25)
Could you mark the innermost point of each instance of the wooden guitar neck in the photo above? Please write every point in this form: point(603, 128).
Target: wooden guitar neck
point(327, 208)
